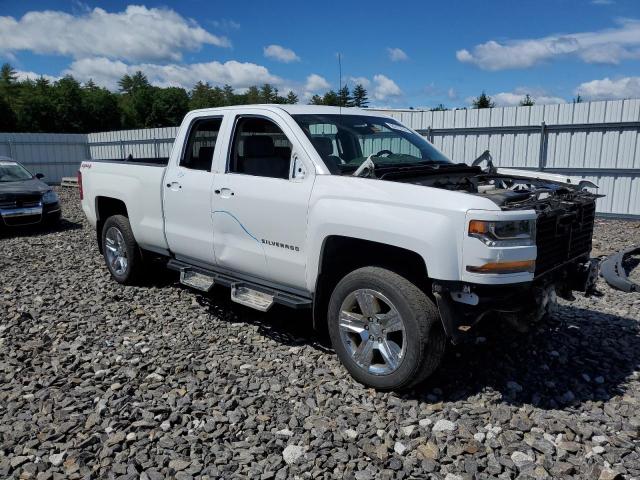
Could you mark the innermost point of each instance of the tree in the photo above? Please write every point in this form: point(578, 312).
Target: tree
point(136, 100)
point(7, 117)
point(291, 98)
point(331, 98)
point(100, 109)
point(67, 98)
point(253, 95)
point(483, 101)
point(527, 101)
point(36, 110)
point(439, 108)
point(316, 100)
point(132, 83)
point(229, 95)
point(360, 96)
point(344, 97)
point(578, 99)
point(268, 94)
point(169, 107)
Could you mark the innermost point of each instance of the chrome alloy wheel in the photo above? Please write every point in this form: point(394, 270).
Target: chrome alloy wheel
point(372, 331)
point(116, 251)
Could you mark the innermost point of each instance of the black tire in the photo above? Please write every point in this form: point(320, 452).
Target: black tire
point(133, 273)
point(423, 333)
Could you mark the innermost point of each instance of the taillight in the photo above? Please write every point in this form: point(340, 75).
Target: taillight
point(80, 184)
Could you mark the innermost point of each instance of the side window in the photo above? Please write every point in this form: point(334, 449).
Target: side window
point(201, 143)
point(260, 148)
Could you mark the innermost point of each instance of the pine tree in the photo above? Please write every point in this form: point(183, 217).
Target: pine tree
point(483, 101)
point(360, 96)
point(291, 98)
point(268, 94)
point(439, 108)
point(344, 97)
point(331, 98)
point(316, 100)
point(527, 101)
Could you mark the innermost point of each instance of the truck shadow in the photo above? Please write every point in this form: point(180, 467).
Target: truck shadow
point(38, 230)
point(577, 356)
point(284, 325)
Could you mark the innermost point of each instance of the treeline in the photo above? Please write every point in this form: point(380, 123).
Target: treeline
point(68, 106)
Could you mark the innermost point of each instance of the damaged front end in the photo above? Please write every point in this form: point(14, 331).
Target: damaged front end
point(564, 214)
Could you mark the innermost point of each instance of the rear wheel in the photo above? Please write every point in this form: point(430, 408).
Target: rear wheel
point(120, 250)
point(385, 330)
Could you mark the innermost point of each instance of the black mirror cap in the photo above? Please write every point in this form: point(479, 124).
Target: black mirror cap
point(39, 176)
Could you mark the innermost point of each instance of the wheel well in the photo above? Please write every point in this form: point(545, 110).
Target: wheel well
point(341, 255)
point(107, 207)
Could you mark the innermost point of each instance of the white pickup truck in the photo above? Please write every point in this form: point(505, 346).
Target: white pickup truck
point(348, 212)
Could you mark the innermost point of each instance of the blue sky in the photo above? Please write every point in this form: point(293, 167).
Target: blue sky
point(415, 54)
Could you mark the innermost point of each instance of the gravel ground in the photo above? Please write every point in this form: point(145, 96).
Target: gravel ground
point(104, 381)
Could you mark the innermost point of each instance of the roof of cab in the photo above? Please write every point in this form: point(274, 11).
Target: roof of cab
point(300, 109)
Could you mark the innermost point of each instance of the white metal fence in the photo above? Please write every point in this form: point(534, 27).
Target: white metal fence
point(54, 155)
point(599, 141)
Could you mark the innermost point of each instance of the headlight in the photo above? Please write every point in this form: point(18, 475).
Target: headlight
point(510, 233)
point(50, 197)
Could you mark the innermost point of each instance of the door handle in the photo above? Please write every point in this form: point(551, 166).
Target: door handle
point(174, 185)
point(224, 192)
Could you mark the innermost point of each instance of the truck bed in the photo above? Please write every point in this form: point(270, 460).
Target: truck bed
point(138, 184)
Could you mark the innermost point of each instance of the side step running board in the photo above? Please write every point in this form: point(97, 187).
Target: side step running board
point(243, 291)
point(196, 280)
point(244, 295)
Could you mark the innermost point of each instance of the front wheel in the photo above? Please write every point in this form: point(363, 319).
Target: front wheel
point(120, 250)
point(385, 330)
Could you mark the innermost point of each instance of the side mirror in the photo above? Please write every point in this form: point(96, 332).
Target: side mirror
point(39, 176)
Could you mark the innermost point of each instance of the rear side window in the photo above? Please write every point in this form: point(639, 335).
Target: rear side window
point(201, 144)
point(260, 148)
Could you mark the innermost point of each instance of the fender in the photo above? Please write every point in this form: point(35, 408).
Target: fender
point(424, 220)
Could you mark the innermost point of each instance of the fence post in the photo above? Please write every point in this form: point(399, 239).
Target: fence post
point(10, 149)
point(122, 149)
point(542, 157)
point(155, 147)
point(429, 134)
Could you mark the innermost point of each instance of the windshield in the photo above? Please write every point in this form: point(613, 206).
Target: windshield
point(13, 172)
point(345, 141)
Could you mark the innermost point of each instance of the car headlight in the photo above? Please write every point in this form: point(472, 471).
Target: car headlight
point(509, 233)
point(50, 197)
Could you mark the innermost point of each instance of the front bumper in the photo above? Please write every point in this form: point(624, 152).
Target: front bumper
point(462, 304)
point(29, 215)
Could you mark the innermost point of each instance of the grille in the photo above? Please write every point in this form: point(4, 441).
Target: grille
point(20, 200)
point(563, 235)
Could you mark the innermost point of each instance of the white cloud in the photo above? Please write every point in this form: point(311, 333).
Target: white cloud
point(28, 75)
point(610, 46)
point(315, 82)
point(397, 55)
point(136, 34)
point(364, 81)
point(107, 72)
point(607, 89)
point(281, 54)
point(452, 94)
point(602, 2)
point(385, 87)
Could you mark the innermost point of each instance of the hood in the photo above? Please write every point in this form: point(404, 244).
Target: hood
point(29, 187)
point(507, 188)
